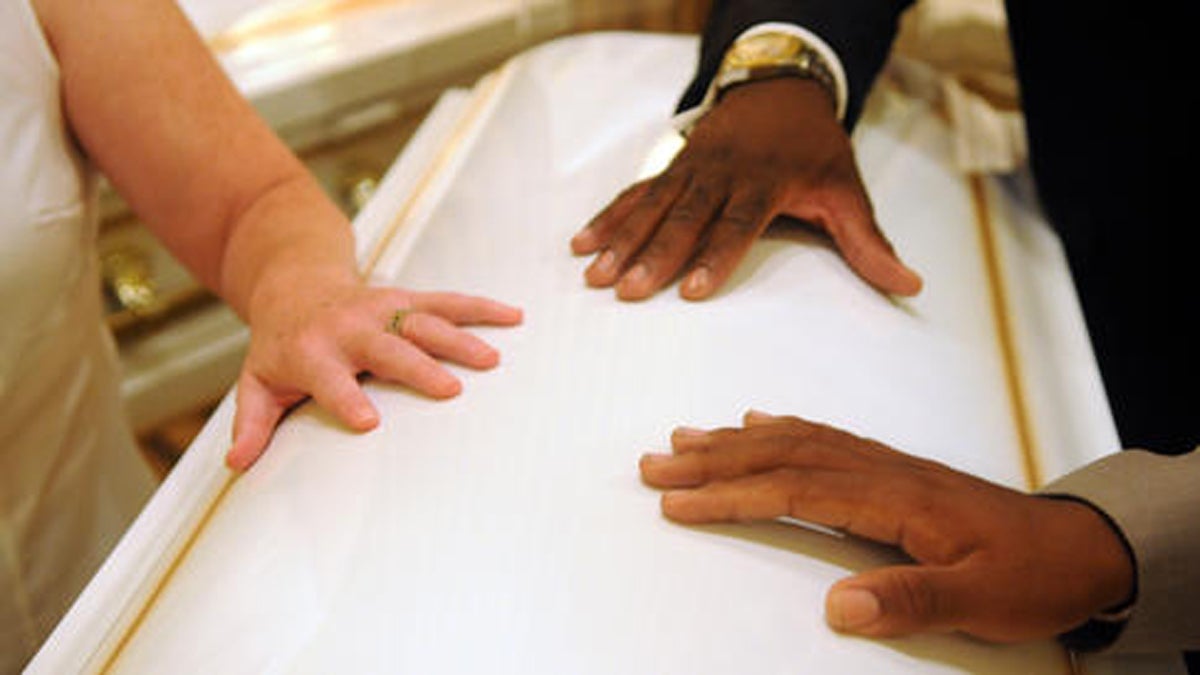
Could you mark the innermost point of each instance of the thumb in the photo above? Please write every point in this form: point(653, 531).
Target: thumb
point(897, 601)
point(257, 414)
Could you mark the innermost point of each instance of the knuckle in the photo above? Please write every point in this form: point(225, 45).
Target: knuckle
point(307, 341)
point(753, 199)
point(706, 471)
point(800, 430)
point(798, 491)
point(740, 223)
point(825, 436)
point(920, 507)
point(745, 217)
point(658, 249)
point(777, 448)
point(628, 237)
point(685, 213)
point(622, 242)
point(689, 217)
point(915, 597)
point(658, 187)
point(723, 437)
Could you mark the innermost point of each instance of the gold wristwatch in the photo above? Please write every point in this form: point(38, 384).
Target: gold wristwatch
point(773, 54)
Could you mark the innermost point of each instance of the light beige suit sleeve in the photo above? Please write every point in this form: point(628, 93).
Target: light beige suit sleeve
point(1155, 501)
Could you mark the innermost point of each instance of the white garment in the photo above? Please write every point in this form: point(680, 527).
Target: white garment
point(70, 477)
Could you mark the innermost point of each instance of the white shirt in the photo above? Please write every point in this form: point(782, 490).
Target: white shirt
point(70, 476)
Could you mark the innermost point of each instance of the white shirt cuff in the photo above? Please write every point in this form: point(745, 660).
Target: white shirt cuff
point(686, 119)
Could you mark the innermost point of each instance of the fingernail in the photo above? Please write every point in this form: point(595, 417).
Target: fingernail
point(689, 432)
point(365, 418)
point(451, 386)
point(237, 463)
point(634, 277)
point(606, 262)
point(603, 270)
point(654, 458)
point(697, 282)
point(512, 315)
point(582, 238)
point(852, 608)
point(913, 281)
point(758, 415)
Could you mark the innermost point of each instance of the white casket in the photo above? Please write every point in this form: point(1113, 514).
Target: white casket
point(506, 531)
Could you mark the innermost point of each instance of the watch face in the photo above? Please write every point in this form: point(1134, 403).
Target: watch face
point(764, 49)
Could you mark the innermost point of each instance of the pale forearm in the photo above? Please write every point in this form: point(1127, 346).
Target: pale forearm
point(157, 115)
point(289, 237)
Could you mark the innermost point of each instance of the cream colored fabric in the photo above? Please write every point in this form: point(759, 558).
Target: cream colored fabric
point(70, 479)
point(967, 39)
point(1153, 499)
point(966, 66)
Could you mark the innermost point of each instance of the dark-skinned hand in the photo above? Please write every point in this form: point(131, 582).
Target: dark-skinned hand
point(767, 149)
point(988, 561)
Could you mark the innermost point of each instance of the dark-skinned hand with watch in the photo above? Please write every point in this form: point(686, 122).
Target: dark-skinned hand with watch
point(1096, 559)
point(768, 148)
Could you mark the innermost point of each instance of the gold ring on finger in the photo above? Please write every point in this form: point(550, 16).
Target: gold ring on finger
point(396, 323)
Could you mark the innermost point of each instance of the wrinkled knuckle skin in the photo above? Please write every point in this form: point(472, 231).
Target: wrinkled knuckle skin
point(800, 430)
point(305, 343)
point(917, 600)
point(697, 210)
point(684, 214)
point(723, 436)
point(744, 218)
point(706, 472)
point(797, 487)
point(779, 447)
point(657, 250)
point(660, 186)
point(741, 222)
point(619, 239)
point(916, 496)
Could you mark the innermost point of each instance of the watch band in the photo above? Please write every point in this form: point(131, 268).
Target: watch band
point(769, 55)
point(686, 119)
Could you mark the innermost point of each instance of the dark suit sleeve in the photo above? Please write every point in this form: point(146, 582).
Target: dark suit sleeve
point(860, 31)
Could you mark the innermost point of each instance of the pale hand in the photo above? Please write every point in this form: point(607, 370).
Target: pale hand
point(316, 340)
